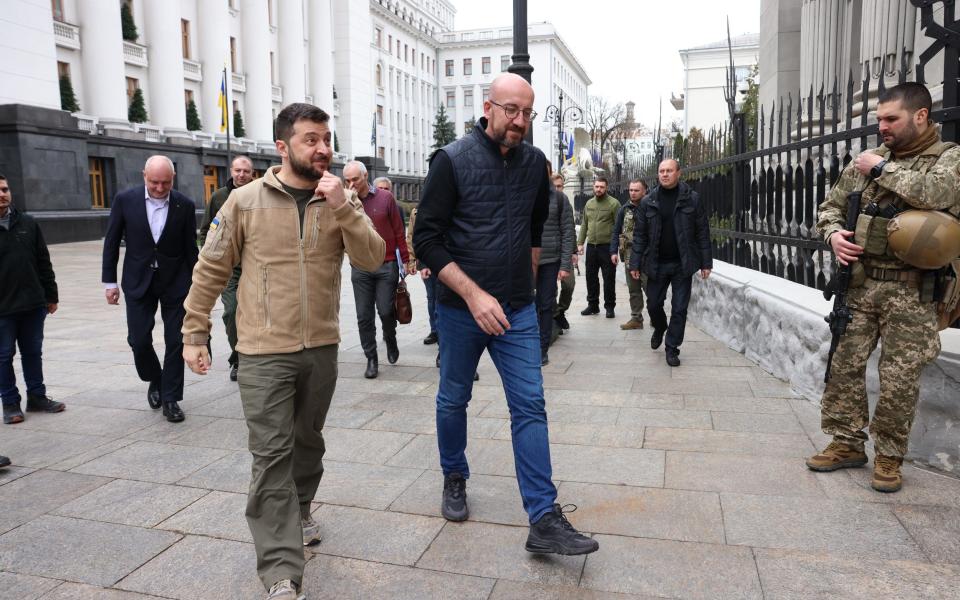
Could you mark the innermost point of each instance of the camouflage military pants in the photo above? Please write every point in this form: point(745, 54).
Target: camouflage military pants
point(890, 311)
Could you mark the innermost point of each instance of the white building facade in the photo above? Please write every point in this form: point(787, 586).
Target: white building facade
point(380, 67)
point(705, 76)
point(470, 60)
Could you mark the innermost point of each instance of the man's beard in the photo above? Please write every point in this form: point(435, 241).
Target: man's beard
point(502, 139)
point(903, 140)
point(304, 169)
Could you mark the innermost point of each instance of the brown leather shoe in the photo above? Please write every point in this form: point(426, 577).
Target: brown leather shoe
point(837, 455)
point(886, 474)
point(632, 324)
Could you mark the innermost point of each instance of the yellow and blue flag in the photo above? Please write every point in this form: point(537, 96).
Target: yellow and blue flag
point(222, 103)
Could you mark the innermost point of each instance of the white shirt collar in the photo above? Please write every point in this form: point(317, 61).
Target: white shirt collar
point(146, 196)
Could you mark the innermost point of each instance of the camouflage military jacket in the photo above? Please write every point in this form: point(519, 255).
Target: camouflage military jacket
point(929, 180)
point(626, 235)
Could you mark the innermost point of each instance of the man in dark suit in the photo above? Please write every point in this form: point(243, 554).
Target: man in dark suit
point(160, 227)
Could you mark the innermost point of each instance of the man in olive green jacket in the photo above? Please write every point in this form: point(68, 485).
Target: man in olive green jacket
point(289, 231)
point(599, 217)
point(241, 173)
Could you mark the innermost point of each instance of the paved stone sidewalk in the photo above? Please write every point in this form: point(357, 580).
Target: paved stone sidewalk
point(691, 478)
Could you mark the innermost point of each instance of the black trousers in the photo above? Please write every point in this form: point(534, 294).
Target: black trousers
point(669, 275)
point(598, 259)
point(141, 317)
point(546, 300)
point(375, 290)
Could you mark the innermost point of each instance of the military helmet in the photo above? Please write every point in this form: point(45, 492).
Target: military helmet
point(926, 239)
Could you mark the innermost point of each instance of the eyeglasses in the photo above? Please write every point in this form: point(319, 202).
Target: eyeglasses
point(511, 111)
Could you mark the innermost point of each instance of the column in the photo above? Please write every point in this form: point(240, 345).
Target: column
point(258, 100)
point(321, 55)
point(165, 55)
point(213, 44)
point(292, 55)
point(353, 28)
point(105, 94)
point(889, 27)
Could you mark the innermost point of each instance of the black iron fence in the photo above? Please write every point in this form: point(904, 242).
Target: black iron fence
point(763, 203)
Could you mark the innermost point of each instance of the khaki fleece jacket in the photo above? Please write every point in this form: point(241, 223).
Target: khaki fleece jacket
point(289, 294)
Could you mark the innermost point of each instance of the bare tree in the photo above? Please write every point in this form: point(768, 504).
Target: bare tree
point(603, 119)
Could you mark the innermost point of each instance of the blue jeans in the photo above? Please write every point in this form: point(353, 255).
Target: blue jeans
point(26, 331)
point(430, 283)
point(516, 355)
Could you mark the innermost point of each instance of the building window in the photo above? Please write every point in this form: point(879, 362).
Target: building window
point(378, 37)
point(57, 6)
point(485, 65)
point(448, 68)
point(63, 69)
point(378, 75)
point(233, 54)
point(468, 66)
point(270, 13)
point(504, 62)
point(380, 152)
point(398, 48)
point(187, 97)
point(486, 94)
point(379, 114)
point(98, 196)
point(389, 42)
point(132, 85)
point(273, 71)
point(185, 37)
point(451, 99)
point(468, 98)
point(406, 53)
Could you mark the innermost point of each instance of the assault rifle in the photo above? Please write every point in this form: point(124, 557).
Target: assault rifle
point(837, 289)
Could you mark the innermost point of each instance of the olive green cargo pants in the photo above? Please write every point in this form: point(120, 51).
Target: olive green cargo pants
point(285, 399)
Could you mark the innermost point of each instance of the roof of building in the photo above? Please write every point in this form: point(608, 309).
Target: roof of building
point(737, 41)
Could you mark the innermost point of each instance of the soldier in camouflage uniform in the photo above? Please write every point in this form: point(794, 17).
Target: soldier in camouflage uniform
point(913, 169)
point(620, 243)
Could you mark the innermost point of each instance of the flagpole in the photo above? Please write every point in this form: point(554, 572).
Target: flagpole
point(226, 109)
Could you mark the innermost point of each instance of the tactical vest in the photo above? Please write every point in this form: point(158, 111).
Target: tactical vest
point(626, 234)
point(878, 205)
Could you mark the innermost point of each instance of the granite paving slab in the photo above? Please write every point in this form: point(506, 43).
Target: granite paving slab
point(217, 514)
point(656, 417)
point(60, 547)
point(515, 590)
point(742, 403)
point(358, 445)
point(663, 568)
point(350, 418)
point(206, 568)
point(165, 432)
point(38, 449)
point(692, 386)
point(426, 423)
point(13, 472)
point(91, 420)
point(756, 423)
point(764, 475)
point(645, 512)
point(229, 434)
point(491, 498)
point(619, 466)
point(128, 502)
point(729, 442)
point(80, 591)
point(379, 536)
point(363, 485)
point(336, 578)
point(791, 575)
point(586, 435)
point(40, 492)
point(920, 486)
point(148, 461)
point(621, 399)
point(496, 551)
point(26, 587)
point(935, 528)
point(868, 531)
point(229, 474)
point(82, 457)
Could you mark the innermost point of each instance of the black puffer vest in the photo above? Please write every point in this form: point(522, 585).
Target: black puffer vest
point(489, 237)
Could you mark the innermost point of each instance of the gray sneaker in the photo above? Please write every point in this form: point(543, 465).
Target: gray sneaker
point(311, 531)
point(285, 590)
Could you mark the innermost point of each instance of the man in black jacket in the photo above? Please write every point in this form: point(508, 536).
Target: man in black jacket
point(479, 229)
point(671, 242)
point(28, 293)
point(241, 173)
point(160, 226)
point(558, 246)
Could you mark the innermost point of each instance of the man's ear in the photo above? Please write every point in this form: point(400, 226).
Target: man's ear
point(281, 148)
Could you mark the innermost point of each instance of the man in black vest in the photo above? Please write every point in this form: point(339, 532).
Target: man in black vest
point(671, 242)
point(160, 227)
point(479, 227)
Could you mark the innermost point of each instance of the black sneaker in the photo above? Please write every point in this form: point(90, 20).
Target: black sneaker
point(453, 507)
point(12, 414)
point(673, 357)
point(544, 359)
point(4, 461)
point(610, 313)
point(553, 534)
point(590, 310)
point(37, 403)
point(562, 321)
point(233, 372)
point(657, 338)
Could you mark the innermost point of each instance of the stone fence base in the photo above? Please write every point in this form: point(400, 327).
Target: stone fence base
point(779, 325)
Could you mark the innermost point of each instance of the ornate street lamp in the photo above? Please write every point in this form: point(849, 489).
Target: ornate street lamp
point(557, 114)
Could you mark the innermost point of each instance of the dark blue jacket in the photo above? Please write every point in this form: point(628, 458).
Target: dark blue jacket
point(175, 253)
point(484, 211)
point(26, 275)
point(689, 223)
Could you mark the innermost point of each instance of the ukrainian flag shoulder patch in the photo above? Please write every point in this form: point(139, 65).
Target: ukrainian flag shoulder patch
point(214, 224)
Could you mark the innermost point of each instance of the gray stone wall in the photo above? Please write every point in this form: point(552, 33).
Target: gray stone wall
point(779, 325)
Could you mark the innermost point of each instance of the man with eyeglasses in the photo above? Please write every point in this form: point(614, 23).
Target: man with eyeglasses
point(479, 229)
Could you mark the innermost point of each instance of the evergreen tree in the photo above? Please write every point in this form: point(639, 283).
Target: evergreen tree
point(336, 142)
point(238, 129)
point(137, 113)
point(127, 26)
point(68, 100)
point(443, 130)
point(193, 117)
point(469, 125)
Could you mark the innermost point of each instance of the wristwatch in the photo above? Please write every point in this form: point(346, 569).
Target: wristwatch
point(877, 169)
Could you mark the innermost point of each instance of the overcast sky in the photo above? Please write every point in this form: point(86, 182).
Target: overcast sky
point(629, 48)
